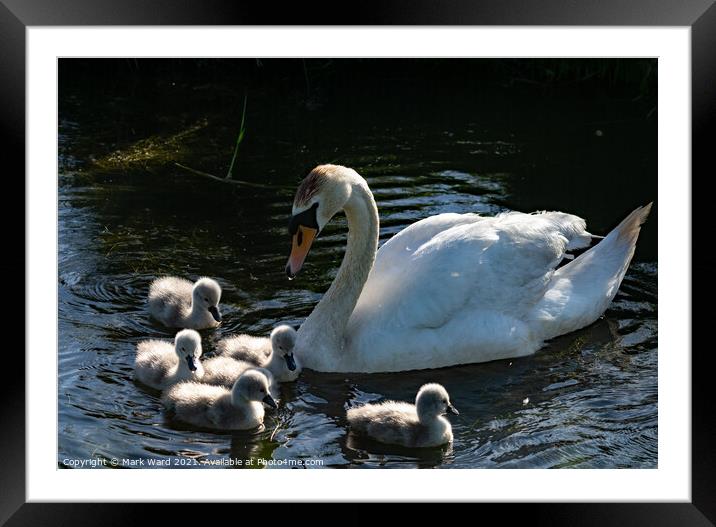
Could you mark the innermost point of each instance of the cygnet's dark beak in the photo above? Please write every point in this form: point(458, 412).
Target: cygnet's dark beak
point(269, 400)
point(290, 362)
point(190, 361)
point(215, 313)
point(452, 409)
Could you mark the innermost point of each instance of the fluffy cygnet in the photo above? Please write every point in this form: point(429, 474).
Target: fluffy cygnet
point(399, 423)
point(274, 353)
point(177, 303)
point(208, 406)
point(160, 364)
point(223, 371)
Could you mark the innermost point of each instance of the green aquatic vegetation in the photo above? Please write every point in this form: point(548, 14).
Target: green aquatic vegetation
point(160, 151)
point(242, 131)
point(152, 151)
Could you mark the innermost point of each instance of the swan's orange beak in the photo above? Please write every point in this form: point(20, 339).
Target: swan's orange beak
point(300, 246)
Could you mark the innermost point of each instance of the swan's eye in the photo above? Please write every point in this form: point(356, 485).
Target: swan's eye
point(206, 299)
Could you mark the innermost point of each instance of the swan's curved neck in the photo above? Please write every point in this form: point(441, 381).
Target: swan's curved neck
point(197, 314)
point(321, 336)
point(182, 371)
point(426, 417)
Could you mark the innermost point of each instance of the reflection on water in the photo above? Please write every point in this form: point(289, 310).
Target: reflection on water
point(589, 399)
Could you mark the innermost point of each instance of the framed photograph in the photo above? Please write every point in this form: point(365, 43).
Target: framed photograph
point(457, 241)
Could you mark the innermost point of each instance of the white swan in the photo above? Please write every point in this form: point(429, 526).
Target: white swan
point(223, 371)
point(177, 303)
point(449, 289)
point(209, 406)
point(398, 423)
point(160, 364)
point(274, 353)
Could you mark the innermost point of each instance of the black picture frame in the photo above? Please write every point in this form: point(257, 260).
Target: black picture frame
point(699, 15)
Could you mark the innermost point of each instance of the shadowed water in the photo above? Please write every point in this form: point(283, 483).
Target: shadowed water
point(586, 400)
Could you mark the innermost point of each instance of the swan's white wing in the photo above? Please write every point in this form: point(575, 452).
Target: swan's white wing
point(445, 261)
point(392, 257)
point(415, 235)
point(477, 272)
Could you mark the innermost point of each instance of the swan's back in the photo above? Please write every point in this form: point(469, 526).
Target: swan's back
point(504, 258)
point(223, 371)
point(170, 300)
point(390, 422)
point(255, 350)
point(192, 397)
point(154, 362)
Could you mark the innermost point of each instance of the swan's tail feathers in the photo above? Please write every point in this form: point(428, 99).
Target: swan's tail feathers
point(580, 291)
point(628, 230)
point(613, 253)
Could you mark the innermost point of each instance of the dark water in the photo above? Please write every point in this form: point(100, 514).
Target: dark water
point(587, 400)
